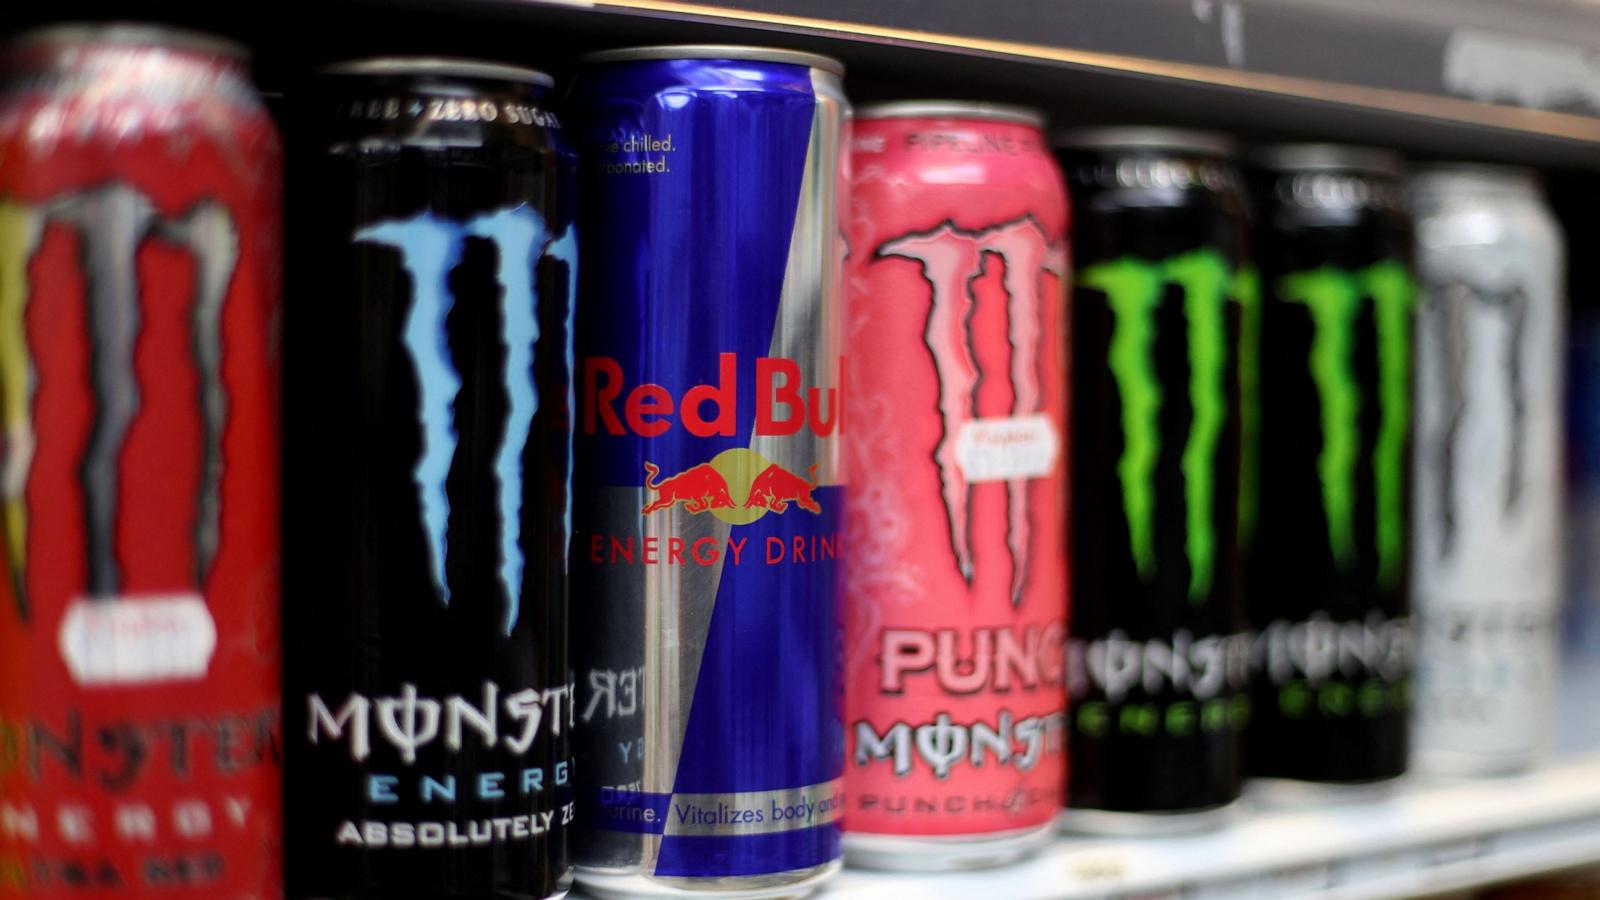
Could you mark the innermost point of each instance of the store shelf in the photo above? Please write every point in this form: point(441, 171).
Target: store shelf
point(1416, 47)
point(1507, 79)
point(1426, 837)
point(1512, 80)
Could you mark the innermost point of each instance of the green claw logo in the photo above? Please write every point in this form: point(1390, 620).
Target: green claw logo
point(1334, 298)
point(1247, 293)
point(1134, 288)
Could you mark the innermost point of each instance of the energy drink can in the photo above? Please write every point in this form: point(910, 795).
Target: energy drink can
point(710, 498)
point(139, 291)
point(1163, 318)
point(1488, 561)
point(956, 582)
point(429, 442)
point(1329, 594)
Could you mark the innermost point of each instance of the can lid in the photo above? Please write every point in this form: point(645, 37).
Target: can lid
point(130, 34)
point(439, 65)
point(952, 109)
point(1145, 137)
point(716, 51)
point(1456, 177)
point(1329, 157)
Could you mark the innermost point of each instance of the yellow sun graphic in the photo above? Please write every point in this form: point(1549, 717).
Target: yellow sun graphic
point(740, 467)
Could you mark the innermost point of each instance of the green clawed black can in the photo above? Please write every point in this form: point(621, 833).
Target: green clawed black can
point(1329, 593)
point(1163, 304)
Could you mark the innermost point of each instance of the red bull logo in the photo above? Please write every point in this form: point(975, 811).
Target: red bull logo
point(776, 487)
point(784, 406)
point(698, 488)
point(738, 487)
point(711, 487)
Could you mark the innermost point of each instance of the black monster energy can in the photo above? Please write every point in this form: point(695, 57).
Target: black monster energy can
point(1162, 306)
point(429, 429)
point(1329, 593)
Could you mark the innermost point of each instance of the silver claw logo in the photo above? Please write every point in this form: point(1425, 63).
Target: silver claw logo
point(430, 247)
point(1450, 308)
point(952, 259)
point(113, 222)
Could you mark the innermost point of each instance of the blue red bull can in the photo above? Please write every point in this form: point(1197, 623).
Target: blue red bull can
point(708, 515)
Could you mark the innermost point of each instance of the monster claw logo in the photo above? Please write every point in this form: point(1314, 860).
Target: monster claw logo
point(430, 248)
point(1134, 290)
point(1334, 297)
point(1447, 307)
point(1247, 293)
point(112, 223)
point(113, 315)
point(20, 230)
point(1451, 308)
point(711, 486)
point(209, 234)
point(951, 259)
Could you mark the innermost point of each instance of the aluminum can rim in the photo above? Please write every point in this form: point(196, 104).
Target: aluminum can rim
point(438, 65)
point(715, 51)
point(1142, 137)
point(131, 34)
point(953, 109)
point(1454, 177)
point(1329, 157)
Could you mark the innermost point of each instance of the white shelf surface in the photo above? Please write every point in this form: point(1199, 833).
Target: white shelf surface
point(1428, 836)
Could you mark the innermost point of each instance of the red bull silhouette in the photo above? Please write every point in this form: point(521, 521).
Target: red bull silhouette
point(776, 487)
point(698, 488)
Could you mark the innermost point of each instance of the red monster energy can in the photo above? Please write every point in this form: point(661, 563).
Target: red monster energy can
point(957, 584)
point(139, 270)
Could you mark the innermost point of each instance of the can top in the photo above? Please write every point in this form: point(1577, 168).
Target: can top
point(439, 65)
point(953, 109)
point(1330, 157)
point(716, 51)
point(1142, 137)
point(1441, 178)
point(130, 34)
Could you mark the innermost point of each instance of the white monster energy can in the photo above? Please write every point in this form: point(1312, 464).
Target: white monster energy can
point(1487, 492)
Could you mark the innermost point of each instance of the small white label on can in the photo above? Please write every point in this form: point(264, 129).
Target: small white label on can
point(1007, 448)
point(138, 640)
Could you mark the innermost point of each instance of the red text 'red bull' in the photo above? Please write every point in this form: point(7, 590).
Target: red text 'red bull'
point(708, 505)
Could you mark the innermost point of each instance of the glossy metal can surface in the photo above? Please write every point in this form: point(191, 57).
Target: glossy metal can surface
point(1488, 558)
point(1330, 597)
point(428, 442)
point(957, 594)
point(139, 290)
point(1164, 312)
point(709, 513)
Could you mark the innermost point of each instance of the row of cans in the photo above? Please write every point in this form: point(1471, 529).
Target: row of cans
point(757, 670)
point(1305, 394)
